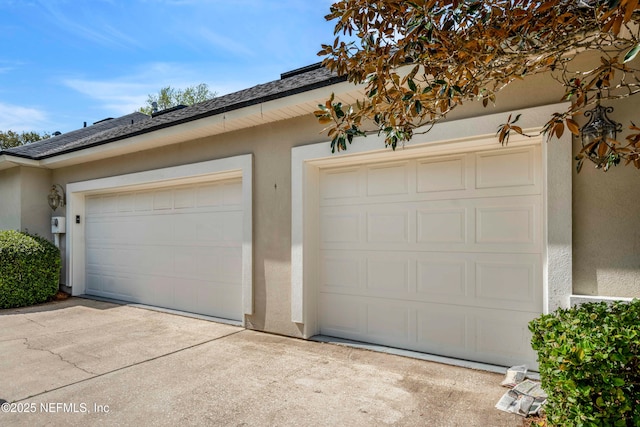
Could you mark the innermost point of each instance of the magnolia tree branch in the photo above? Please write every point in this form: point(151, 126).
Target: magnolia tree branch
point(419, 60)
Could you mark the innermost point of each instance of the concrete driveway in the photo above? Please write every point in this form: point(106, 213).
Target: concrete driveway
point(84, 362)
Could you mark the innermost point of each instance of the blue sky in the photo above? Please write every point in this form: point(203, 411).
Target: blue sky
point(64, 62)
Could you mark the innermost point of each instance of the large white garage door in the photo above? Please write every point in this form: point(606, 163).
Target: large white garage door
point(440, 255)
point(177, 247)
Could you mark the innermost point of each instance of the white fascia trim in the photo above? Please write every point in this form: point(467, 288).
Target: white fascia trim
point(237, 166)
point(207, 126)
point(445, 138)
point(8, 161)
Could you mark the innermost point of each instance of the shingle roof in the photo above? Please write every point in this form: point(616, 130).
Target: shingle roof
point(291, 83)
point(59, 142)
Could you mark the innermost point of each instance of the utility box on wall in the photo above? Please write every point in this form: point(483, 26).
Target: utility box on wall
point(58, 225)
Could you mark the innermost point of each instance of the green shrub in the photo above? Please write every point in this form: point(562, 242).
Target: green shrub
point(589, 364)
point(29, 269)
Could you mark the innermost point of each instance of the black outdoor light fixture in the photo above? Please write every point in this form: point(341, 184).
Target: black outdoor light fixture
point(598, 135)
point(56, 198)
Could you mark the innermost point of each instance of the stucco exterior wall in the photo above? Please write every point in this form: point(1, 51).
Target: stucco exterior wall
point(606, 210)
point(36, 213)
point(23, 191)
point(10, 195)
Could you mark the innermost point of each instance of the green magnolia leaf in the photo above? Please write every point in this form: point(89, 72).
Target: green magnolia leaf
point(630, 56)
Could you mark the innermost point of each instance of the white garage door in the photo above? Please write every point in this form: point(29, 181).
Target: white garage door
point(439, 255)
point(178, 247)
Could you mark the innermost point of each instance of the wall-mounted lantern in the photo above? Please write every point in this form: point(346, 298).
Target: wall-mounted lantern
point(56, 198)
point(598, 135)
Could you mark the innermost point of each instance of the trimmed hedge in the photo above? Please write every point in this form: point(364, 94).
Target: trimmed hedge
point(29, 269)
point(589, 359)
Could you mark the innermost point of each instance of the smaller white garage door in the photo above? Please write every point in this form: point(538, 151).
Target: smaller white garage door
point(440, 255)
point(175, 247)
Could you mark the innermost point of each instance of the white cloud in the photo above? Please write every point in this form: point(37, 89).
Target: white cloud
point(118, 97)
point(224, 43)
point(20, 119)
point(106, 35)
point(125, 94)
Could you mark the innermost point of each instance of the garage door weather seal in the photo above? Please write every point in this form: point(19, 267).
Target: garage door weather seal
point(412, 354)
point(163, 310)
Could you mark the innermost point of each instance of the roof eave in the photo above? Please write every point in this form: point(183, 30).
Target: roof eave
point(295, 103)
point(8, 161)
point(224, 110)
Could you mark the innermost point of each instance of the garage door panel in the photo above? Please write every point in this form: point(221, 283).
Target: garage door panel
point(125, 203)
point(442, 278)
point(365, 319)
point(442, 174)
point(434, 254)
point(184, 197)
point(343, 271)
point(232, 232)
point(116, 284)
point(208, 231)
point(509, 282)
point(197, 262)
point(94, 282)
point(434, 337)
point(506, 168)
point(162, 200)
point(178, 247)
point(230, 266)
point(505, 334)
point(387, 179)
point(386, 320)
point(156, 290)
point(491, 336)
point(341, 228)
point(109, 204)
point(341, 183)
point(209, 195)
point(219, 299)
point(388, 227)
point(389, 275)
point(342, 316)
point(231, 193)
point(442, 226)
point(506, 224)
point(143, 201)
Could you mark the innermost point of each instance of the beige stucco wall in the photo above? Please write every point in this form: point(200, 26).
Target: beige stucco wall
point(606, 211)
point(10, 197)
point(36, 213)
point(23, 192)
